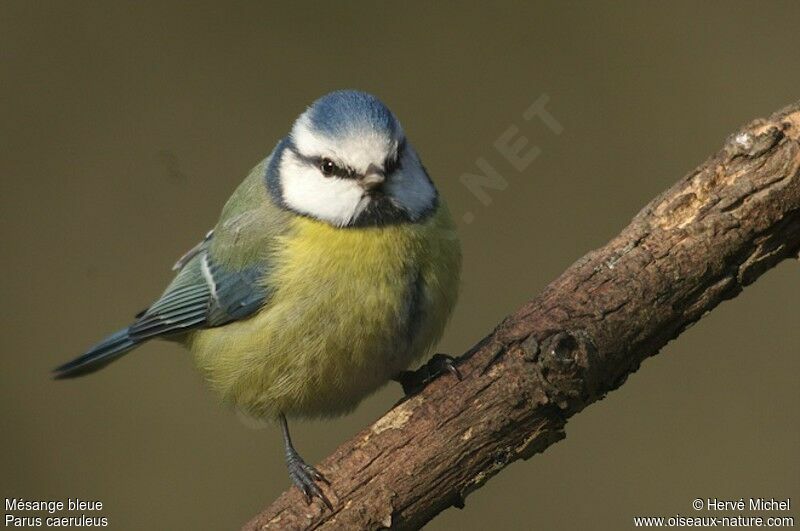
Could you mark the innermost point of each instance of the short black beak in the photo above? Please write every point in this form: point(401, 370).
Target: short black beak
point(372, 181)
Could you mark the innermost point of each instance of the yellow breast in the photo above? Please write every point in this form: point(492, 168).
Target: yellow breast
point(349, 309)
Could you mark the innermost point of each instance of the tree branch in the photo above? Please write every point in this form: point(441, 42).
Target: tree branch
point(699, 243)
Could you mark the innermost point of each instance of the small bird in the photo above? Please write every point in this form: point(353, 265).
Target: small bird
point(333, 267)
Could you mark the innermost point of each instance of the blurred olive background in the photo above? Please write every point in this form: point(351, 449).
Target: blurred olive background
point(125, 126)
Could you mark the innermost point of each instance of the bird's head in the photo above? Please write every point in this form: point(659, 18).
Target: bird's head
point(347, 162)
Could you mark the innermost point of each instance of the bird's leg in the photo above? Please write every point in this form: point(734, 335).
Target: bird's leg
point(303, 475)
point(415, 381)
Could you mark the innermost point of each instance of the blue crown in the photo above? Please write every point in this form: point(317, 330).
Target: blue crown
point(350, 111)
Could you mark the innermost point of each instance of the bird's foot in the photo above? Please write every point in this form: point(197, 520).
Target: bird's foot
point(305, 478)
point(415, 381)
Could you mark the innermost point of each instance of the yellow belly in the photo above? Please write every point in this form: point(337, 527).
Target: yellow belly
point(349, 310)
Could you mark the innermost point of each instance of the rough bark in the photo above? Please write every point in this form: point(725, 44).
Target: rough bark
point(699, 243)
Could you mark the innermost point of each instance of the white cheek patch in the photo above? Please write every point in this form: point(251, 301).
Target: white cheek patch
point(410, 186)
point(307, 191)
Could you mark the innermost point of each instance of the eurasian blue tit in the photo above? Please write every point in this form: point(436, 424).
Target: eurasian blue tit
point(333, 266)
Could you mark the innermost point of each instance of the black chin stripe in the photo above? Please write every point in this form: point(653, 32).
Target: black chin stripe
point(380, 212)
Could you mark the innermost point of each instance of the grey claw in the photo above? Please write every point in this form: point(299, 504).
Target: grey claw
point(301, 473)
point(303, 476)
point(449, 363)
point(318, 476)
point(414, 381)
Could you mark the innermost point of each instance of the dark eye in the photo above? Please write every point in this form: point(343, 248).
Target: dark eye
point(328, 168)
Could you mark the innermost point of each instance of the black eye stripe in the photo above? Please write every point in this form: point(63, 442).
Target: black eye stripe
point(335, 170)
point(391, 165)
point(331, 169)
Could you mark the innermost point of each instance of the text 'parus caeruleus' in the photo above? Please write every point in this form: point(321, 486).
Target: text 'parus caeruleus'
point(333, 266)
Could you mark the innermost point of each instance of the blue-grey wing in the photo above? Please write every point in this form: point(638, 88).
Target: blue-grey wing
point(236, 293)
point(205, 293)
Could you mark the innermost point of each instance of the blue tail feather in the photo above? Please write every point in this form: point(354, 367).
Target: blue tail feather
point(97, 357)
